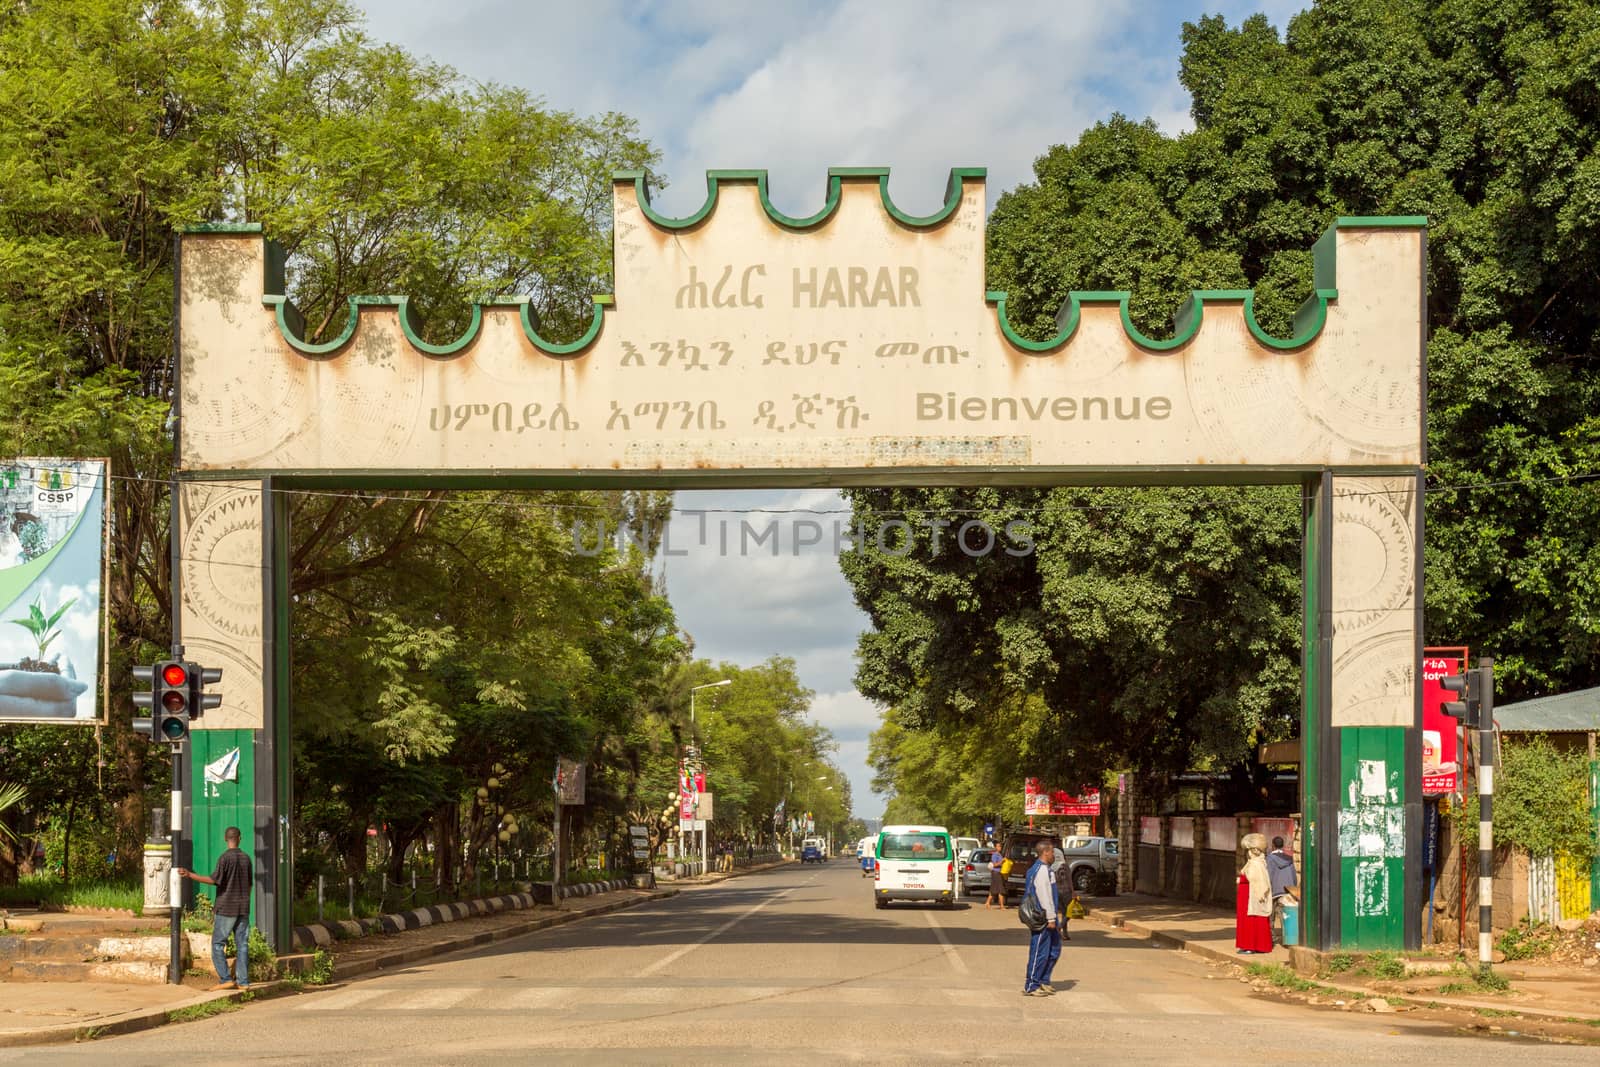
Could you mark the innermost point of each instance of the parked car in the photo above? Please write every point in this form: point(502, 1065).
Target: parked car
point(1018, 847)
point(975, 872)
point(964, 846)
point(1091, 861)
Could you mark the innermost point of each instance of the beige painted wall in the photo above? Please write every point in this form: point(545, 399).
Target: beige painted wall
point(671, 385)
point(1374, 601)
point(221, 573)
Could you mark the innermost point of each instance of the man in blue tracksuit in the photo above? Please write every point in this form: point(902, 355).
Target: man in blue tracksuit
point(1044, 947)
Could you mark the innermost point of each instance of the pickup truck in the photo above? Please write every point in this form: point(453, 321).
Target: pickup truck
point(1091, 861)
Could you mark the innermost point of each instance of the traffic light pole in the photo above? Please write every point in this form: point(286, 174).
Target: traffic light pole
point(1486, 758)
point(175, 881)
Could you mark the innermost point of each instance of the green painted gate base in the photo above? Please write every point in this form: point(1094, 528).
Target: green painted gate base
point(213, 807)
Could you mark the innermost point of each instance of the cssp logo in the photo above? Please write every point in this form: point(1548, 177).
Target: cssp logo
point(55, 485)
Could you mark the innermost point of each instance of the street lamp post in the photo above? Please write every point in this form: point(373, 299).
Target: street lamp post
point(692, 690)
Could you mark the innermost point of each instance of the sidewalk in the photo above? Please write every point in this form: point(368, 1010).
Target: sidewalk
point(1538, 991)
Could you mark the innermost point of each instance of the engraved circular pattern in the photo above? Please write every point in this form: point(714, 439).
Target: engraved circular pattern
point(1374, 555)
point(221, 555)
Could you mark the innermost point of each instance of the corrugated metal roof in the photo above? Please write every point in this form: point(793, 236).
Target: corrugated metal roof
point(1553, 714)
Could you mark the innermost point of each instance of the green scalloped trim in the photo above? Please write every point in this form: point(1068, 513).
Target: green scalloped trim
point(836, 177)
point(223, 227)
point(292, 326)
point(1308, 319)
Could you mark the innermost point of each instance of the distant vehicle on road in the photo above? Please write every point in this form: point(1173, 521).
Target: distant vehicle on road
point(915, 863)
point(865, 849)
point(975, 872)
point(813, 850)
point(964, 846)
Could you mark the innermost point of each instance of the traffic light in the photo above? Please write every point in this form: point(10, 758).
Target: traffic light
point(145, 724)
point(199, 699)
point(172, 701)
point(1466, 708)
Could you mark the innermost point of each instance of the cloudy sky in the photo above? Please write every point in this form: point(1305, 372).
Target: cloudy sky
point(796, 88)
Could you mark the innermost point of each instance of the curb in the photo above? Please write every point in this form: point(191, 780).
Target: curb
point(324, 934)
point(402, 957)
point(132, 1023)
point(1300, 957)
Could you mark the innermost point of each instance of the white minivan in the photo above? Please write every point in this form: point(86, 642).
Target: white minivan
point(915, 863)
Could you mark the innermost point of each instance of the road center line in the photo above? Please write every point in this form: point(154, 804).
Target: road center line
point(673, 957)
point(956, 962)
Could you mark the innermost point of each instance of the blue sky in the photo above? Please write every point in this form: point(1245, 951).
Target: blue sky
point(796, 88)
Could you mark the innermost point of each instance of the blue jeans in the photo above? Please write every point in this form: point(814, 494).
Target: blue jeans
point(1044, 948)
point(239, 927)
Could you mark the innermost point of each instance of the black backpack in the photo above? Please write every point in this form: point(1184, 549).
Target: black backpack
point(1031, 912)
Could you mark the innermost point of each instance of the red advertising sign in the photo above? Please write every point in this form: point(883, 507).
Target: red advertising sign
point(691, 784)
point(1440, 764)
point(1037, 800)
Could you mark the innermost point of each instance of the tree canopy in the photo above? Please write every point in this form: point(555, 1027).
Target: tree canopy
point(1159, 627)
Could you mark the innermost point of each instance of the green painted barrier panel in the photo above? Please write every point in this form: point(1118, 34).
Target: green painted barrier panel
point(1372, 838)
point(217, 805)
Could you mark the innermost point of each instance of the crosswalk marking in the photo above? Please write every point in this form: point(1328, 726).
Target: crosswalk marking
point(1179, 1004)
point(433, 999)
point(505, 997)
point(342, 1001)
point(1088, 1003)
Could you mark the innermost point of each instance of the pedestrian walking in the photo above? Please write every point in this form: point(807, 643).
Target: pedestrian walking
point(231, 912)
point(1253, 910)
point(1281, 874)
point(1044, 945)
point(997, 881)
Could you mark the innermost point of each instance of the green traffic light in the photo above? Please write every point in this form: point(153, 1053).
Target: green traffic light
point(173, 728)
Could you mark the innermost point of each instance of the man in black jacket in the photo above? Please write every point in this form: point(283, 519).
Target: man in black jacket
point(231, 912)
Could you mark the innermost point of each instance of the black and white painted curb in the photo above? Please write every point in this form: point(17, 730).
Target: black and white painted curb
point(323, 934)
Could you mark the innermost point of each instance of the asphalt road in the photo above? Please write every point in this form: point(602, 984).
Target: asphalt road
point(788, 966)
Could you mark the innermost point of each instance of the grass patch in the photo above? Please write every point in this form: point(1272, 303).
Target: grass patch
point(1284, 978)
point(1528, 939)
point(206, 1010)
point(48, 891)
point(1339, 963)
point(1385, 965)
point(1497, 1013)
point(1479, 982)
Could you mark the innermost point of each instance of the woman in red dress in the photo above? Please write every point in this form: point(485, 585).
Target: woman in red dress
point(1253, 915)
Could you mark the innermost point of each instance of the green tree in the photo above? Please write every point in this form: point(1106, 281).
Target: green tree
point(1481, 116)
point(122, 121)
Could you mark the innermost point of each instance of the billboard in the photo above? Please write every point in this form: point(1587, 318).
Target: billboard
point(691, 783)
point(1038, 800)
point(52, 558)
point(1440, 762)
point(569, 782)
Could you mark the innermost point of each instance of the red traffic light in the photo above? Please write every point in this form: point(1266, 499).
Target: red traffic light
point(174, 674)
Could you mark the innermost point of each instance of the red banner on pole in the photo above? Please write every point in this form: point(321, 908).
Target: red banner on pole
point(1037, 800)
point(1440, 763)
